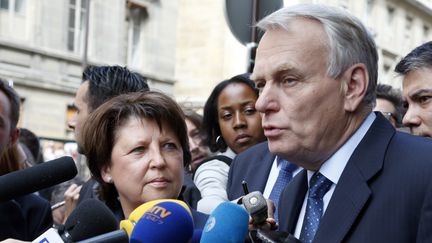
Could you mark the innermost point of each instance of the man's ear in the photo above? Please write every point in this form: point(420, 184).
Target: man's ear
point(13, 137)
point(355, 82)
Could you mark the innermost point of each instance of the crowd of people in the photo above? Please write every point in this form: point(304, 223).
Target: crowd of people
point(339, 156)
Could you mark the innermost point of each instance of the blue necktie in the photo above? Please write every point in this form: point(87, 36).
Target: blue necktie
point(285, 175)
point(318, 187)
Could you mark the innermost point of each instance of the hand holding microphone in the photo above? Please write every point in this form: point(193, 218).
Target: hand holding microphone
point(260, 209)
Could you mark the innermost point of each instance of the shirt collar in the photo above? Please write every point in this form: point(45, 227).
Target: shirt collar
point(334, 166)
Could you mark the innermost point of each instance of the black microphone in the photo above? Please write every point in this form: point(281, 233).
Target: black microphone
point(117, 236)
point(90, 218)
point(256, 206)
point(269, 236)
point(37, 177)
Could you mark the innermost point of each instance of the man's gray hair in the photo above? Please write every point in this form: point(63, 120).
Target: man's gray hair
point(349, 42)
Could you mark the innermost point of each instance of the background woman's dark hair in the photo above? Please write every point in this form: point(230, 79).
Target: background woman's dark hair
point(211, 127)
point(100, 128)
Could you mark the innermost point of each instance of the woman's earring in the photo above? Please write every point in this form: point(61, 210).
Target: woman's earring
point(110, 180)
point(220, 143)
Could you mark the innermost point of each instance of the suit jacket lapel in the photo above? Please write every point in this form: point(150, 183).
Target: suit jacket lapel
point(261, 166)
point(291, 201)
point(352, 191)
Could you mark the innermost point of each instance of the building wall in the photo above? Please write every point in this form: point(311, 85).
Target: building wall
point(184, 47)
point(34, 56)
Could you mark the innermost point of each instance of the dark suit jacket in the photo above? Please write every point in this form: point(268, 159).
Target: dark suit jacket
point(199, 219)
point(252, 165)
point(25, 217)
point(383, 195)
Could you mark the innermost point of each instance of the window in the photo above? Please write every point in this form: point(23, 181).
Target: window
point(390, 14)
point(137, 17)
point(408, 22)
point(4, 4)
point(369, 6)
point(17, 5)
point(426, 32)
point(76, 24)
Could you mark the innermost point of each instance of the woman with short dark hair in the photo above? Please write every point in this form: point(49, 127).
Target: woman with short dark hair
point(137, 147)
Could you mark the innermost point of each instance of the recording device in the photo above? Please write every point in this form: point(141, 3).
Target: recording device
point(37, 177)
point(269, 236)
point(255, 204)
point(90, 218)
point(227, 223)
point(146, 232)
point(166, 221)
point(129, 224)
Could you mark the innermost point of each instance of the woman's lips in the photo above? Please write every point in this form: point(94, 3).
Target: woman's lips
point(243, 138)
point(159, 182)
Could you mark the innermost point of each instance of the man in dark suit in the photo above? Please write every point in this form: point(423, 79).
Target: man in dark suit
point(24, 217)
point(260, 169)
point(316, 68)
point(253, 166)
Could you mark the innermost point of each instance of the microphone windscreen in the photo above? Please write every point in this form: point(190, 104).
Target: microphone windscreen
point(90, 218)
point(167, 221)
point(129, 224)
point(227, 223)
point(37, 177)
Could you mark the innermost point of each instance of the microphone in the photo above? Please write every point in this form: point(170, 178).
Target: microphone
point(129, 224)
point(166, 221)
point(256, 206)
point(35, 178)
point(268, 236)
point(227, 223)
point(91, 217)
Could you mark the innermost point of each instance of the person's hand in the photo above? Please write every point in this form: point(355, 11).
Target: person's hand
point(71, 197)
point(58, 215)
point(270, 223)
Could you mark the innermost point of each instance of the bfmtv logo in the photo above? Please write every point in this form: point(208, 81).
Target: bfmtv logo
point(157, 214)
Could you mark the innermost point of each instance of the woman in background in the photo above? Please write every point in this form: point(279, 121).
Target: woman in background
point(136, 146)
point(231, 125)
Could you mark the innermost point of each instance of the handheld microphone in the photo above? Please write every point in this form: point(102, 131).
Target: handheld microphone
point(268, 236)
point(166, 221)
point(129, 224)
point(90, 218)
point(35, 178)
point(227, 223)
point(256, 206)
